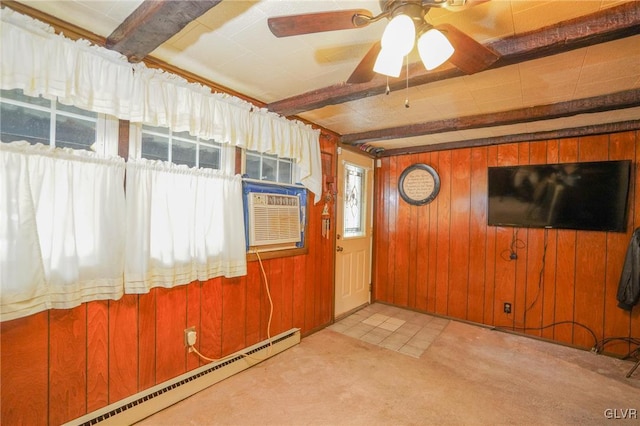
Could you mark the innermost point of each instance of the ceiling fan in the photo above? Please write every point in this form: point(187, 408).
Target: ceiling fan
point(407, 27)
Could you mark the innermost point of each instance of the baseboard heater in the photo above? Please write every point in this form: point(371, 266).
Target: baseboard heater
point(143, 404)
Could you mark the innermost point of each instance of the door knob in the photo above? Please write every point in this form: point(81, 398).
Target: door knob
point(339, 248)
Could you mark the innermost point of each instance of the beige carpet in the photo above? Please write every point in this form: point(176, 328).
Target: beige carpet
point(466, 375)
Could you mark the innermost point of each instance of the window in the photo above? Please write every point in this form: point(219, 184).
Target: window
point(39, 120)
point(270, 174)
point(57, 206)
point(354, 188)
point(160, 143)
point(268, 167)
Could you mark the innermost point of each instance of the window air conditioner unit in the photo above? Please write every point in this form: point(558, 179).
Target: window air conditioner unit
point(274, 220)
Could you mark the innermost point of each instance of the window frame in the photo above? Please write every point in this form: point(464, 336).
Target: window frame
point(106, 127)
point(279, 160)
point(227, 152)
point(286, 252)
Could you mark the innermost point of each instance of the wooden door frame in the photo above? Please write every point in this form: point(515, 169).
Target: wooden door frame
point(370, 221)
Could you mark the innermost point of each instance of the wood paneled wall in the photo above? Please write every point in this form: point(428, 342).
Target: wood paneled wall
point(442, 258)
point(61, 364)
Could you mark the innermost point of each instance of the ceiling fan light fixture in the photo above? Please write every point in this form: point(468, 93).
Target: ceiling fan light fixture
point(399, 35)
point(389, 63)
point(434, 48)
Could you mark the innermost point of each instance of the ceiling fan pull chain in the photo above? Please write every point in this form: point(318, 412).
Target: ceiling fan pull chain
point(406, 100)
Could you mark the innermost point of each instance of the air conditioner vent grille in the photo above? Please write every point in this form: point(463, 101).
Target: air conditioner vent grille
point(273, 219)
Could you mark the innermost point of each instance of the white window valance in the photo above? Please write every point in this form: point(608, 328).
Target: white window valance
point(40, 62)
point(36, 60)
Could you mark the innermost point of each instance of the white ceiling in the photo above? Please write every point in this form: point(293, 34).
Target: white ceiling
point(232, 46)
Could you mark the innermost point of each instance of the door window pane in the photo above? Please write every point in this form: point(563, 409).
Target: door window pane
point(354, 209)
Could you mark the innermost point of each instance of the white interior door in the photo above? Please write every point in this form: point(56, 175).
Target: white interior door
point(353, 231)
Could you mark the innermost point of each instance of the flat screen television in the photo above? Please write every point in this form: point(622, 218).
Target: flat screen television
point(582, 196)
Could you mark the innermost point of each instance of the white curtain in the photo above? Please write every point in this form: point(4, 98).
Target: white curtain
point(182, 225)
point(169, 101)
point(36, 60)
point(273, 134)
point(61, 228)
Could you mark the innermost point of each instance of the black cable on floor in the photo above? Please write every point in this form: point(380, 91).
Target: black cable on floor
point(595, 339)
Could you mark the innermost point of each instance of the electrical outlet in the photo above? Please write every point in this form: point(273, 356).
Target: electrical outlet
point(190, 336)
point(507, 308)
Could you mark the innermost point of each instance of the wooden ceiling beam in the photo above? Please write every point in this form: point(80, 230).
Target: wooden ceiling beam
point(610, 102)
point(153, 23)
point(573, 132)
point(606, 25)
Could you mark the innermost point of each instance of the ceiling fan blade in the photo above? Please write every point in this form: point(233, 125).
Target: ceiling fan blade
point(470, 56)
point(291, 25)
point(364, 71)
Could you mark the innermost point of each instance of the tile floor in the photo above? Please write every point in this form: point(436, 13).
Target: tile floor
point(393, 328)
